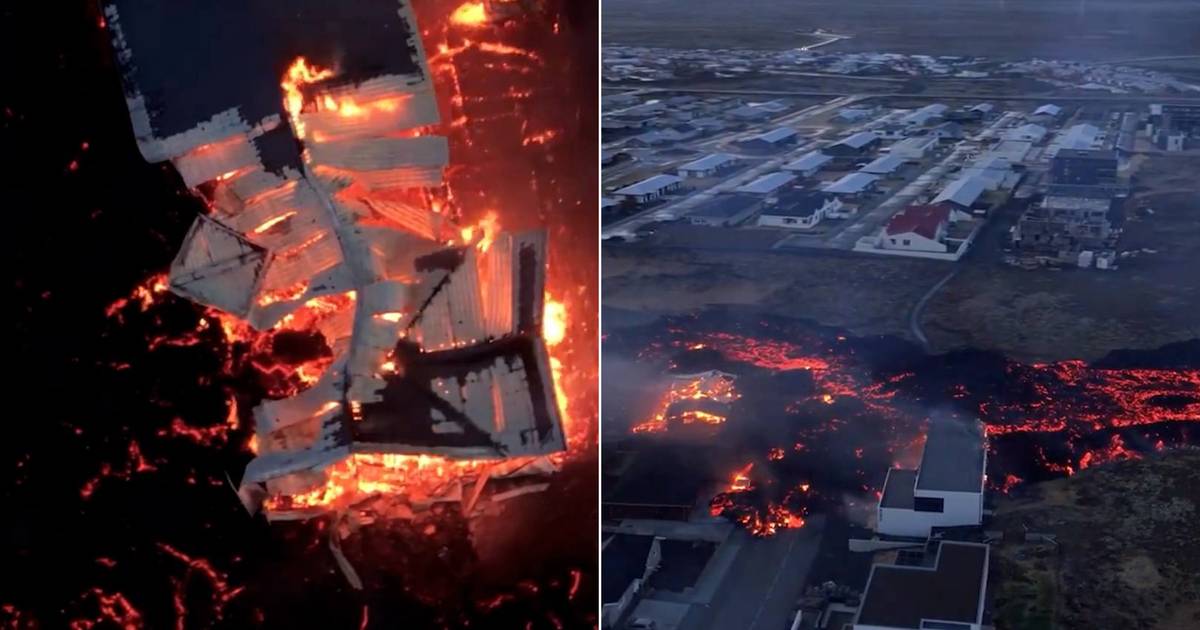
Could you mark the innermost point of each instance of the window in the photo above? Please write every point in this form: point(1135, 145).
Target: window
point(929, 504)
point(907, 242)
point(789, 221)
point(892, 240)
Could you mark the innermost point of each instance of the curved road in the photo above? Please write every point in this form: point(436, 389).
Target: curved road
point(914, 318)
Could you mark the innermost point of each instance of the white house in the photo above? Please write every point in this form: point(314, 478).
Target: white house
point(649, 189)
point(915, 148)
point(945, 491)
point(709, 165)
point(945, 591)
point(917, 229)
point(800, 210)
point(808, 164)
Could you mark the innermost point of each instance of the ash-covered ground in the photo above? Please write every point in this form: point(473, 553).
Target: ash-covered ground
point(118, 511)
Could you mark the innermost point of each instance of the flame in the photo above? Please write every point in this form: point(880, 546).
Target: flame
point(299, 74)
point(715, 387)
point(471, 14)
point(486, 229)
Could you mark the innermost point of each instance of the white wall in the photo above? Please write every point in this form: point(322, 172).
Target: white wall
point(768, 220)
point(916, 242)
point(959, 508)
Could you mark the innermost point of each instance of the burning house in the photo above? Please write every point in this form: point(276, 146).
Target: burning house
point(320, 170)
point(946, 490)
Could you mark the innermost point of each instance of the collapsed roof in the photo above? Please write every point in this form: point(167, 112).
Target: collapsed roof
point(437, 345)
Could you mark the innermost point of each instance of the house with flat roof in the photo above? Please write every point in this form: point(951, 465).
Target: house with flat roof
point(808, 164)
point(946, 490)
point(800, 209)
point(649, 189)
point(725, 210)
point(945, 592)
point(709, 165)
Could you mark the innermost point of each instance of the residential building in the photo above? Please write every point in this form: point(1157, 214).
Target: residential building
point(914, 149)
point(772, 140)
point(853, 147)
point(808, 164)
point(649, 189)
point(709, 165)
point(963, 192)
point(947, 591)
point(925, 116)
point(1084, 167)
point(769, 184)
point(918, 229)
point(853, 185)
point(799, 209)
point(945, 491)
point(726, 210)
point(884, 166)
point(948, 131)
point(1028, 132)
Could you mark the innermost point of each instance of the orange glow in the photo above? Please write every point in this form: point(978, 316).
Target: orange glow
point(470, 14)
point(485, 231)
point(288, 294)
point(299, 74)
point(273, 221)
point(713, 386)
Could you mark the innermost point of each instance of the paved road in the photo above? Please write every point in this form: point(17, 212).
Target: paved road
point(764, 581)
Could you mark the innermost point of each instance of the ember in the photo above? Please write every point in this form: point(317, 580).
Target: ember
point(1042, 420)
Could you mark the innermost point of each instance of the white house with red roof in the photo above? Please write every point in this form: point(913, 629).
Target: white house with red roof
point(918, 228)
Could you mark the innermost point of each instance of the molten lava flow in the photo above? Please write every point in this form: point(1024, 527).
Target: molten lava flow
point(470, 14)
point(1042, 419)
point(715, 387)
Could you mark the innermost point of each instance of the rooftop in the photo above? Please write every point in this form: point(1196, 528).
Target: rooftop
point(725, 206)
point(858, 140)
point(883, 165)
point(852, 183)
point(712, 160)
point(923, 220)
point(768, 183)
point(898, 489)
point(963, 191)
point(649, 185)
point(801, 203)
point(808, 161)
point(774, 135)
point(953, 457)
point(951, 590)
